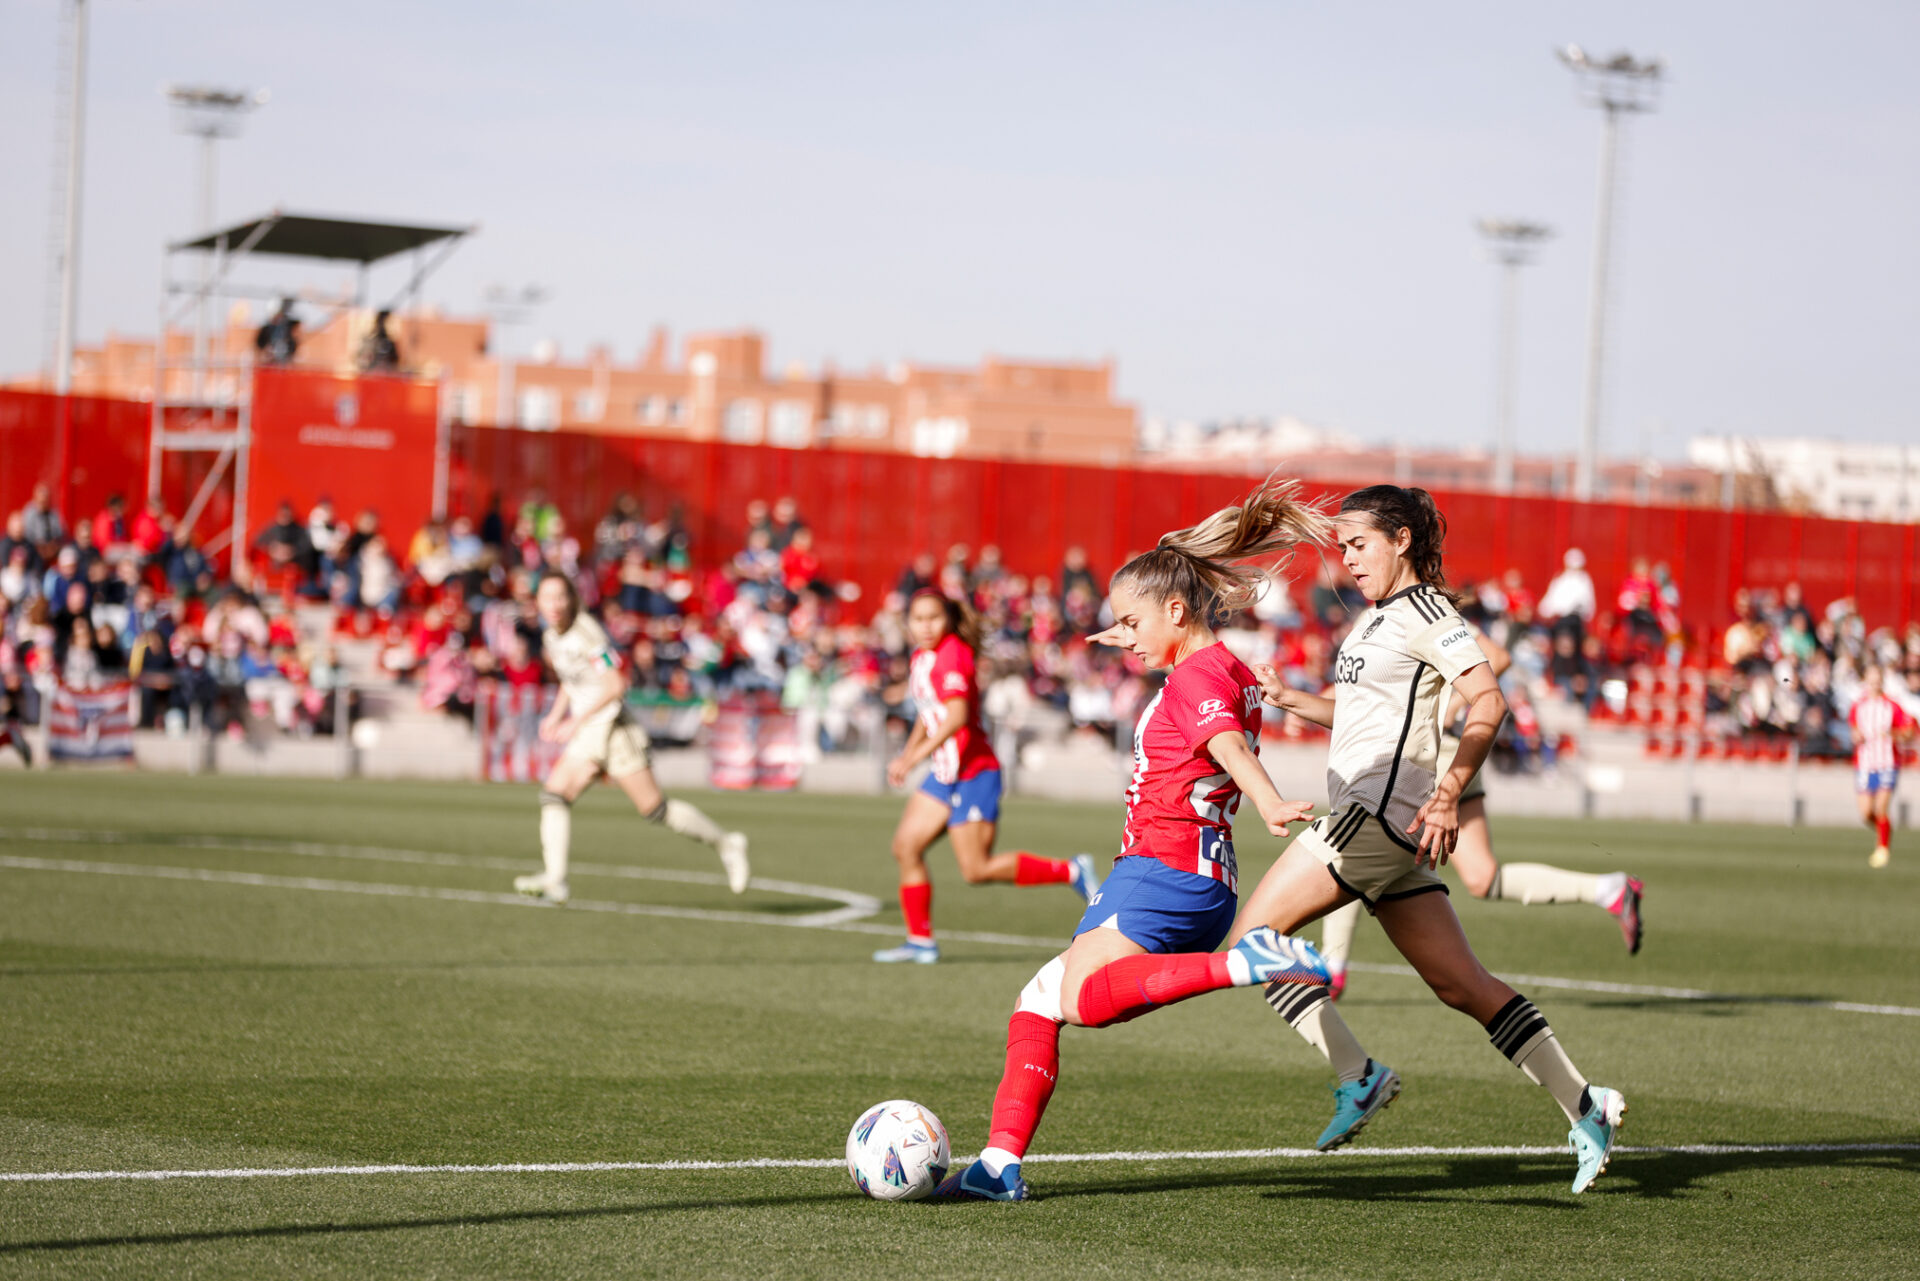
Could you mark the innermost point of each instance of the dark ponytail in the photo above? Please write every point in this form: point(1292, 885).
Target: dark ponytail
point(1390, 509)
point(961, 620)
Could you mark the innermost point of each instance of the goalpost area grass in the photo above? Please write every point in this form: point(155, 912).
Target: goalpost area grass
point(153, 1021)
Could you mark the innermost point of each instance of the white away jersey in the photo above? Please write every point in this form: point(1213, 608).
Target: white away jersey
point(1389, 679)
point(581, 656)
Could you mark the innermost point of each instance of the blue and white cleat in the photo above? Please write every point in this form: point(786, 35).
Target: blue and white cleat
point(909, 953)
point(1264, 955)
point(1592, 1136)
point(1085, 882)
point(974, 1184)
point(1356, 1102)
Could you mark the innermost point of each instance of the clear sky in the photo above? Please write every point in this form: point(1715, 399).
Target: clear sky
point(1254, 208)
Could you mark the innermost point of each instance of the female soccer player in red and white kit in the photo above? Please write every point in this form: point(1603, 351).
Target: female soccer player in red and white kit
point(1148, 936)
point(961, 794)
point(1877, 721)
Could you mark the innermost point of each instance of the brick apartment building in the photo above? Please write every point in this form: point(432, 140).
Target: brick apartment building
point(718, 389)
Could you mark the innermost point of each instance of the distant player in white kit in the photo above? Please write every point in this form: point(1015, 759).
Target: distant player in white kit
point(1877, 721)
point(590, 716)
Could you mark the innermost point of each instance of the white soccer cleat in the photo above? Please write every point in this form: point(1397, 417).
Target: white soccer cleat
point(733, 857)
point(1879, 858)
point(538, 886)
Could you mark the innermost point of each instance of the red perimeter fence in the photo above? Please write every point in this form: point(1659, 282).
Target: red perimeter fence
point(872, 512)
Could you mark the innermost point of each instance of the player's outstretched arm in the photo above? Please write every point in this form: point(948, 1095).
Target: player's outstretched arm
point(1229, 748)
point(1438, 821)
point(1275, 692)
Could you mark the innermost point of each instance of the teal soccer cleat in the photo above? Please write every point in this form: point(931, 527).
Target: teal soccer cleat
point(1592, 1136)
point(1355, 1102)
point(909, 953)
point(974, 1184)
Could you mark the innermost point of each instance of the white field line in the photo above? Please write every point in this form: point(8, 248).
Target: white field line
point(856, 906)
point(831, 1163)
point(847, 919)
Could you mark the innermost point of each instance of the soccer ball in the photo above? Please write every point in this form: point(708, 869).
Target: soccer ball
point(897, 1151)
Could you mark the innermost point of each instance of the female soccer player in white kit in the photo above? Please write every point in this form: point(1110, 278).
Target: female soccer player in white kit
point(590, 716)
point(1485, 876)
point(1148, 937)
point(1395, 818)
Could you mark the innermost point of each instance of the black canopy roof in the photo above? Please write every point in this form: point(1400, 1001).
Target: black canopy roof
point(339, 239)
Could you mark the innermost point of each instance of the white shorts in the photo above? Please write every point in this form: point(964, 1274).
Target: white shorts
point(617, 748)
point(1366, 858)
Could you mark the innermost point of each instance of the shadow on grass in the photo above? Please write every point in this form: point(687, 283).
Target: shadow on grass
point(1653, 1175)
point(286, 1231)
point(1538, 1183)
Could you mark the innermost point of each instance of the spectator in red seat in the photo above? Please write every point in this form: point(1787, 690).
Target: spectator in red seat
point(785, 522)
point(1568, 605)
point(1637, 606)
point(326, 536)
point(518, 666)
point(151, 527)
point(42, 524)
point(286, 544)
point(379, 577)
point(18, 580)
point(799, 567)
point(920, 574)
point(111, 533)
point(449, 681)
point(84, 662)
point(1744, 647)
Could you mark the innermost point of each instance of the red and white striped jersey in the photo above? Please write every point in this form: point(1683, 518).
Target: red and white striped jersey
point(1874, 718)
point(948, 671)
point(1180, 803)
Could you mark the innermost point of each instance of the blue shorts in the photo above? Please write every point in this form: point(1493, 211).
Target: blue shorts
point(1876, 780)
point(971, 800)
point(1160, 909)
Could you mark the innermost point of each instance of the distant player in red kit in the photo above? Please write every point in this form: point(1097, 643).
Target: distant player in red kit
point(1877, 721)
point(1148, 936)
point(961, 794)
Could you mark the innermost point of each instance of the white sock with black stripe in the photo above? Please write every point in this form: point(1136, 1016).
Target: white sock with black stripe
point(1312, 1015)
point(688, 820)
point(1520, 1032)
point(1537, 883)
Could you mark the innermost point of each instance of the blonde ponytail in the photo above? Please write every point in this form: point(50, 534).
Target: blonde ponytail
point(1204, 563)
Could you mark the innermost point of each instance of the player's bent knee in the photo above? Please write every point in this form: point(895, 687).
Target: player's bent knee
point(1041, 995)
point(1482, 886)
point(561, 799)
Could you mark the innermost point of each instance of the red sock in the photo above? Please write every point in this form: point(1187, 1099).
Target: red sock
point(1033, 1066)
point(1132, 985)
point(916, 908)
point(1034, 870)
point(1883, 830)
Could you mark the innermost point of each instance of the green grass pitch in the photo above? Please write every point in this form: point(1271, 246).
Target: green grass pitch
point(153, 1022)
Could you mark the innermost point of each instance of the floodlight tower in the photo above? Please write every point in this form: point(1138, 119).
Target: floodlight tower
point(508, 307)
point(1511, 244)
point(1617, 85)
point(208, 114)
point(69, 251)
